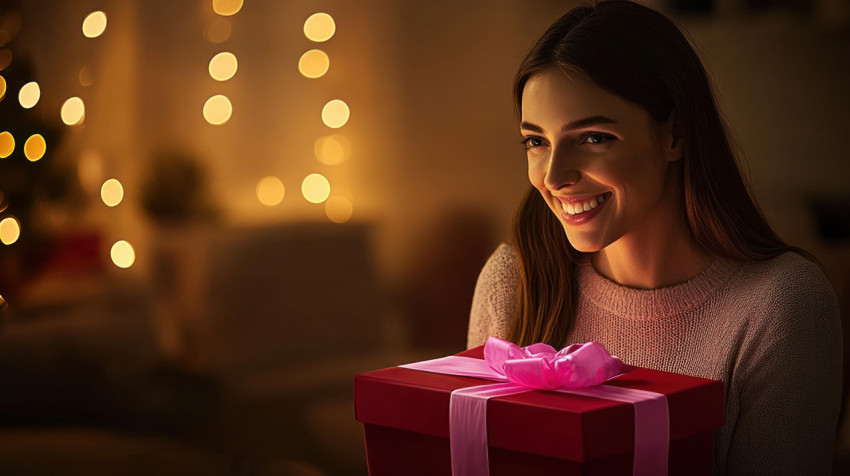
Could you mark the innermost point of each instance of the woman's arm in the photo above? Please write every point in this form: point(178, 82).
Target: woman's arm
point(787, 382)
point(495, 297)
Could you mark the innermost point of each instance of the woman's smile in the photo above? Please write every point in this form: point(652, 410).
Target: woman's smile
point(576, 210)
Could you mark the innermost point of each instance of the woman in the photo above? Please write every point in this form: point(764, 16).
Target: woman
point(640, 233)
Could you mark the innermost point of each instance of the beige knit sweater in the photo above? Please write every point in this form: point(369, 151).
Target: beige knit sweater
point(769, 330)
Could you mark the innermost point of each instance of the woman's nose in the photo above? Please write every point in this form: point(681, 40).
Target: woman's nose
point(562, 172)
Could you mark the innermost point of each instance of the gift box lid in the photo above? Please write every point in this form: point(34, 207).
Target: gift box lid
point(554, 424)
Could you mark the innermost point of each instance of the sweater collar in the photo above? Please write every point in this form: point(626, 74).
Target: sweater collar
point(653, 303)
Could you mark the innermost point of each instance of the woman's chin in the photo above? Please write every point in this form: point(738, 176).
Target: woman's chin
point(584, 245)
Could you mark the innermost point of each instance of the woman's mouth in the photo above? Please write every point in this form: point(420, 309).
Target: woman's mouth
point(576, 213)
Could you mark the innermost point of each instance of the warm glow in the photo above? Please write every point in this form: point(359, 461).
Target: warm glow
point(314, 64)
point(35, 147)
point(226, 8)
point(85, 77)
point(29, 95)
point(319, 27)
point(7, 144)
point(332, 149)
point(112, 192)
point(223, 66)
point(94, 24)
point(2, 87)
point(270, 191)
point(73, 111)
point(315, 188)
point(218, 30)
point(338, 209)
point(90, 170)
point(217, 110)
point(5, 58)
point(10, 230)
point(122, 254)
point(335, 114)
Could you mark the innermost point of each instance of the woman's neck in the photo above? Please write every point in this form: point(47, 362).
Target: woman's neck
point(661, 253)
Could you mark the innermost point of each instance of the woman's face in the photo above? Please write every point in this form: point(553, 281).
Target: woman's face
point(600, 162)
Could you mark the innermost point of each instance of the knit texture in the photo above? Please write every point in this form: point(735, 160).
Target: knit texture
point(769, 330)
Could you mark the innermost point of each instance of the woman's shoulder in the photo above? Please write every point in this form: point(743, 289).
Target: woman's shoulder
point(789, 293)
point(500, 274)
point(791, 275)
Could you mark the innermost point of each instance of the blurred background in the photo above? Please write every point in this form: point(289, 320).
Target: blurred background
point(217, 212)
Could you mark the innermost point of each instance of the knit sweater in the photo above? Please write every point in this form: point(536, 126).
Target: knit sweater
point(768, 329)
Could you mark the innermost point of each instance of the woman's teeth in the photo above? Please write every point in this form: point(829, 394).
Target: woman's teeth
point(581, 207)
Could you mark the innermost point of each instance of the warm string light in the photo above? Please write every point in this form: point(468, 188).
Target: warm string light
point(122, 254)
point(73, 111)
point(35, 147)
point(217, 110)
point(7, 144)
point(2, 88)
point(112, 192)
point(314, 64)
point(315, 188)
point(335, 114)
point(10, 230)
point(94, 24)
point(223, 66)
point(227, 8)
point(270, 191)
point(29, 95)
point(319, 27)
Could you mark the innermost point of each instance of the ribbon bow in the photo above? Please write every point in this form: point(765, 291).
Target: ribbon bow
point(540, 366)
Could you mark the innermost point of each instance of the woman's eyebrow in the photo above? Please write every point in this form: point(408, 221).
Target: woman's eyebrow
point(587, 121)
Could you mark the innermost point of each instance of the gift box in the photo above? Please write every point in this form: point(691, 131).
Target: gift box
point(405, 414)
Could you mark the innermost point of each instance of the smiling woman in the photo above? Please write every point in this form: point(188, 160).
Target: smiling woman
point(640, 233)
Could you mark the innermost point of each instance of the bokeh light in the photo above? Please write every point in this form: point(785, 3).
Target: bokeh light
point(2, 87)
point(319, 27)
point(217, 110)
point(226, 8)
point(338, 209)
point(73, 111)
point(10, 230)
point(5, 58)
point(112, 192)
point(122, 254)
point(270, 191)
point(218, 30)
point(90, 170)
point(85, 77)
point(7, 144)
point(94, 24)
point(35, 147)
point(29, 95)
point(332, 149)
point(315, 188)
point(223, 66)
point(335, 113)
point(314, 64)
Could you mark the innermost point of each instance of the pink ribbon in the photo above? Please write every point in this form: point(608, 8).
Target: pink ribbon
point(577, 369)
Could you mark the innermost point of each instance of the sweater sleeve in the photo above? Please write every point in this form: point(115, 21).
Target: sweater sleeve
point(495, 297)
point(788, 380)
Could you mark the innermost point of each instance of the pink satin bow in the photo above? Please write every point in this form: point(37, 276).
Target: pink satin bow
point(541, 366)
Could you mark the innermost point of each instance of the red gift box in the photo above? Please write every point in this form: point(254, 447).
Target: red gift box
point(405, 417)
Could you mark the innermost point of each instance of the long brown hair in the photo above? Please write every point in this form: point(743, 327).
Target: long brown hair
point(641, 56)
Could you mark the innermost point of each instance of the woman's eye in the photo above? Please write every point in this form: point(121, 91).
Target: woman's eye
point(595, 138)
point(532, 142)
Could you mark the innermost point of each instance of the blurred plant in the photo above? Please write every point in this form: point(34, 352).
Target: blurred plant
point(175, 189)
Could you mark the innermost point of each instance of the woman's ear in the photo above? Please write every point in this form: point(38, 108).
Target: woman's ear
point(672, 138)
